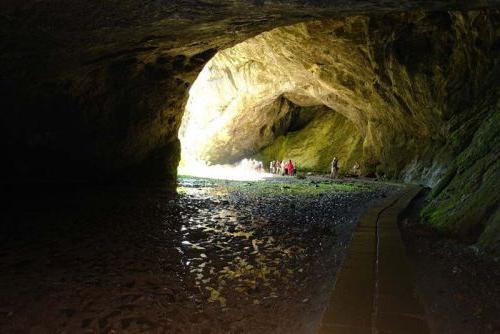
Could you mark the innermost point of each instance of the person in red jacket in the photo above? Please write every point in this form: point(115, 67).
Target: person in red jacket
point(290, 167)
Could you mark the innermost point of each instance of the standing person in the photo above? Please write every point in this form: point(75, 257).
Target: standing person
point(290, 167)
point(283, 168)
point(356, 169)
point(334, 168)
point(271, 167)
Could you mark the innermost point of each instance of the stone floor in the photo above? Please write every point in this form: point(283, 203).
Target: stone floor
point(216, 257)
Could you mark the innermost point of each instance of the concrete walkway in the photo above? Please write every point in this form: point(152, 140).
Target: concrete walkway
point(374, 291)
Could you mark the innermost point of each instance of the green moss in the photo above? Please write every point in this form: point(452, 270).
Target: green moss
point(280, 187)
point(313, 147)
point(296, 187)
point(450, 174)
point(466, 202)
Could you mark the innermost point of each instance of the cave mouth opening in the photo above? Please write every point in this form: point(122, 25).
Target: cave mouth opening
point(208, 114)
point(215, 102)
point(266, 99)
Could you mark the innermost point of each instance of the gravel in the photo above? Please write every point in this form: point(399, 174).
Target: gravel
point(217, 257)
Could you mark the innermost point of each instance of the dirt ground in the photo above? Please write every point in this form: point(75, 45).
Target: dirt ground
point(215, 257)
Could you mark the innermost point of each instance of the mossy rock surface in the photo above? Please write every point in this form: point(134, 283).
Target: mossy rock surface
point(313, 147)
point(467, 201)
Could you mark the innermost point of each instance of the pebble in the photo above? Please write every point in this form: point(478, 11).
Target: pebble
point(230, 251)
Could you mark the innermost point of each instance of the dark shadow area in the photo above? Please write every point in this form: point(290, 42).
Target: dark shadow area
point(216, 257)
point(457, 282)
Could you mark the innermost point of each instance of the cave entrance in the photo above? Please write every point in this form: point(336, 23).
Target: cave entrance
point(214, 104)
point(268, 99)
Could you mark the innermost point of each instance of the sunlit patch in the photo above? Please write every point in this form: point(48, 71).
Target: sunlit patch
point(211, 108)
point(242, 171)
point(219, 272)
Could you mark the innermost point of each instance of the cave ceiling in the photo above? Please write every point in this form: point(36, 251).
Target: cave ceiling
point(82, 32)
point(100, 86)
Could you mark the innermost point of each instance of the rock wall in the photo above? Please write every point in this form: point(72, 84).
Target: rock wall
point(95, 90)
point(312, 146)
point(466, 202)
point(411, 96)
point(402, 80)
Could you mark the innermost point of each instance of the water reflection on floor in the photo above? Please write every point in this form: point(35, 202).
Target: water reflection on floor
point(216, 257)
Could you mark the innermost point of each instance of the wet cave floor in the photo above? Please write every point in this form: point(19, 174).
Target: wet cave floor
point(215, 257)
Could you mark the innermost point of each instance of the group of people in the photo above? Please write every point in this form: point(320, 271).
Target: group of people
point(334, 169)
point(253, 164)
point(282, 167)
